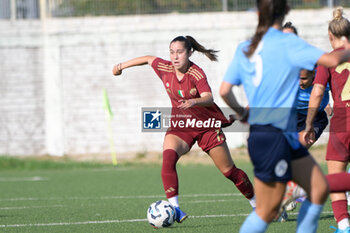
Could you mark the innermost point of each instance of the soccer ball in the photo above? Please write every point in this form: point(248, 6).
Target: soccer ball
point(161, 214)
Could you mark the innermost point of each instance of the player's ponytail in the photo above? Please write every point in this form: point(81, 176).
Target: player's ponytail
point(191, 44)
point(210, 53)
point(339, 26)
point(269, 12)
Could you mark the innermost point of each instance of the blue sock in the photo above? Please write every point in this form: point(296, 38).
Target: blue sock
point(253, 224)
point(308, 217)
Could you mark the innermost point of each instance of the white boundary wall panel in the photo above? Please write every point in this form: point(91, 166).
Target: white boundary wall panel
point(53, 72)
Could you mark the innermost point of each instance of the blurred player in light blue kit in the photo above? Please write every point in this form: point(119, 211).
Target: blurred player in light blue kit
point(268, 67)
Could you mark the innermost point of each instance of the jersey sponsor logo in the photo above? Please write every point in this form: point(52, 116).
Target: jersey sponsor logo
point(152, 119)
point(281, 168)
point(193, 91)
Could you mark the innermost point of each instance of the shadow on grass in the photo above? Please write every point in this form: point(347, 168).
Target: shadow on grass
point(199, 226)
point(294, 218)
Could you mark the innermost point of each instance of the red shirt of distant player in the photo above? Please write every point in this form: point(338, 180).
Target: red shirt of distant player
point(191, 86)
point(339, 82)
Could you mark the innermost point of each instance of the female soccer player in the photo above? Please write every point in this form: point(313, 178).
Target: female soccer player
point(268, 66)
point(338, 151)
point(321, 119)
point(190, 95)
point(305, 86)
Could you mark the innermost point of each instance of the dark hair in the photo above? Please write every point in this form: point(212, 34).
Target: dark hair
point(269, 12)
point(191, 44)
point(289, 25)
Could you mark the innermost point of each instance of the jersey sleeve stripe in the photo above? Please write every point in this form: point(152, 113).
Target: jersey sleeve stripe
point(166, 70)
point(198, 73)
point(194, 75)
point(165, 66)
point(198, 76)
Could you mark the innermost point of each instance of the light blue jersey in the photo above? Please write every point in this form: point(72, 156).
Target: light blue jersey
point(271, 78)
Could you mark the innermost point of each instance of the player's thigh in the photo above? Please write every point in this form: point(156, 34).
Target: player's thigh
point(309, 176)
point(336, 166)
point(175, 143)
point(221, 157)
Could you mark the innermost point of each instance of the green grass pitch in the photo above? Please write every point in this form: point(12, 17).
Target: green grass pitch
point(106, 199)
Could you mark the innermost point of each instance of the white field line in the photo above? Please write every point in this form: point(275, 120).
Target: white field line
point(31, 207)
point(211, 201)
point(66, 206)
point(115, 197)
point(116, 169)
point(124, 221)
point(20, 179)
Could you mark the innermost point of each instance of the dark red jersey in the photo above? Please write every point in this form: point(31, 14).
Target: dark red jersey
point(339, 82)
point(191, 86)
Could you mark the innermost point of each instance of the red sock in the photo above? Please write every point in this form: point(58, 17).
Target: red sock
point(340, 210)
point(241, 180)
point(169, 174)
point(339, 182)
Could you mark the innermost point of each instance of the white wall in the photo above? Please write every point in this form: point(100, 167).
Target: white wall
point(53, 73)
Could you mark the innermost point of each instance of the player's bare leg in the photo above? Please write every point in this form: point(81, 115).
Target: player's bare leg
point(268, 198)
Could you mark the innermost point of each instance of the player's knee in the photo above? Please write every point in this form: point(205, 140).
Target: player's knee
point(230, 172)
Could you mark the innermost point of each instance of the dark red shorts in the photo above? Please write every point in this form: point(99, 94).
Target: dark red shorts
point(206, 139)
point(338, 148)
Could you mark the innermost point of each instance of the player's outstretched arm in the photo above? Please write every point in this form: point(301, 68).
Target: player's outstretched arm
point(138, 61)
point(337, 57)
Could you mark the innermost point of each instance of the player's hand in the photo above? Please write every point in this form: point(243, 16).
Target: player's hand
point(232, 118)
point(309, 135)
point(186, 104)
point(329, 110)
point(244, 117)
point(117, 69)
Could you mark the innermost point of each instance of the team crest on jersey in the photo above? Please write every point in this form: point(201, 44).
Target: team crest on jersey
point(181, 93)
point(193, 91)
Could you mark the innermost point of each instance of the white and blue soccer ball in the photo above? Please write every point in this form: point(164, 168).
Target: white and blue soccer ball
point(161, 214)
